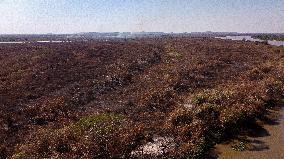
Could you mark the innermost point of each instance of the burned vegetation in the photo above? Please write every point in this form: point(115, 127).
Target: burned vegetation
point(142, 98)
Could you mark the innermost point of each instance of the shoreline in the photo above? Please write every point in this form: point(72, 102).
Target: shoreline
point(265, 141)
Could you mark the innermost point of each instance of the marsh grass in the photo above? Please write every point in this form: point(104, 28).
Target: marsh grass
point(197, 91)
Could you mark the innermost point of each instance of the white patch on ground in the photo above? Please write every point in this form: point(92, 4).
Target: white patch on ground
point(189, 106)
point(159, 146)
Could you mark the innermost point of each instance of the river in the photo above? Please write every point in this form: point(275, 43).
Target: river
point(266, 142)
point(24, 42)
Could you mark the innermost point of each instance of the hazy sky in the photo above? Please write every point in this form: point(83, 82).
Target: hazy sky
point(71, 16)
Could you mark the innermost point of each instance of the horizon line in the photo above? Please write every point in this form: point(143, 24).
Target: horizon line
point(141, 32)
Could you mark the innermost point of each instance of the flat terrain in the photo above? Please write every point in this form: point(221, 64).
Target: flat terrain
point(117, 98)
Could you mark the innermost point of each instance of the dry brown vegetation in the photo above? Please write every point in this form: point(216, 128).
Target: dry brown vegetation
point(105, 99)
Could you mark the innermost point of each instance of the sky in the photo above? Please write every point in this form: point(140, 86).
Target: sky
point(73, 16)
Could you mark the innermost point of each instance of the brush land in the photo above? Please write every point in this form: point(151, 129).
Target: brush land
point(136, 98)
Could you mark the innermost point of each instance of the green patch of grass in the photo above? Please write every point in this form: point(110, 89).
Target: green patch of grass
point(201, 146)
point(232, 116)
point(101, 123)
point(240, 146)
point(175, 54)
point(213, 96)
point(18, 155)
point(208, 106)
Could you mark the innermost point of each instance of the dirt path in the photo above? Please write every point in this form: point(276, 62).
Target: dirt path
point(267, 143)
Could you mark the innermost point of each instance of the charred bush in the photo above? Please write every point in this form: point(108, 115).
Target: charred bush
point(66, 100)
point(182, 120)
point(39, 121)
point(188, 82)
point(155, 59)
point(63, 147)
point(208, 114)
point(43, 149)
point(112, 84)
point(161, 101)
point(3, 153)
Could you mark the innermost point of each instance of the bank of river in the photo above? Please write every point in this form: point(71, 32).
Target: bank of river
point(267, 141)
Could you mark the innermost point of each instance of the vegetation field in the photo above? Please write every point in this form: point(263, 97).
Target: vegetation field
point(139, 98)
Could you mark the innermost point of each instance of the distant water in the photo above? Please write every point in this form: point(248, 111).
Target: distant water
point(249, 38)
point(52, 41)
point(12, 42)
point(22, 42)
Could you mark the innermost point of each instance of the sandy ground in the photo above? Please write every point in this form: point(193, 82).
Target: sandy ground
point(268, 144)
